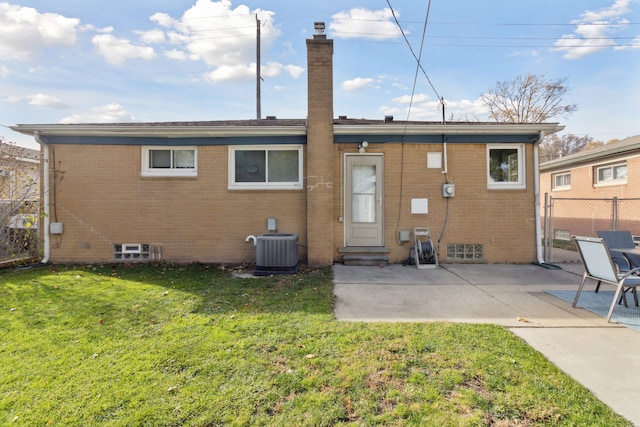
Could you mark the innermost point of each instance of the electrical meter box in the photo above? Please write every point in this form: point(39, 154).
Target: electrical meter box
point(448, 190)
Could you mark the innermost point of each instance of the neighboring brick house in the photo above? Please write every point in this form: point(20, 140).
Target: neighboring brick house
point(19, 174)
point(198, 189)
point(19, 200)
point(606, 173)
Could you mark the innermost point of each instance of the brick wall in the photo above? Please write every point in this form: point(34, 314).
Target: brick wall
point(582, 181)
point(501, 220)
point(592, 208)
point(193, 219)
point(319, 160)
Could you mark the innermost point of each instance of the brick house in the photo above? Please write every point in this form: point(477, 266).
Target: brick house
point(610, 173)
point(345, 186)
point(19, 186)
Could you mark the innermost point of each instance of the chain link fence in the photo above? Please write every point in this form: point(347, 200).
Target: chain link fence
point(565, 217)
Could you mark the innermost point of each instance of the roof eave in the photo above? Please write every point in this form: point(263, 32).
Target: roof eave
point(450, 129)
point(581, 158)
point(176, 131)
point(182, 131)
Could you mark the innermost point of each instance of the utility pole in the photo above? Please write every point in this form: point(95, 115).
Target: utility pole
point(258, 78)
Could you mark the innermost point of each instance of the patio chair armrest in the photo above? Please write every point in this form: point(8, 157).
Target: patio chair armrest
point(633, 272)
point(618, 260)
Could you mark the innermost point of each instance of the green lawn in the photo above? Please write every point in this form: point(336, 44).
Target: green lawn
point(193, 345)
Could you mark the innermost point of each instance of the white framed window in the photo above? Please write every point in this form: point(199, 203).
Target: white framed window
point(613, 174)
point(561, 181)
point(505, 166)
point(268, 167)
point(169, 161)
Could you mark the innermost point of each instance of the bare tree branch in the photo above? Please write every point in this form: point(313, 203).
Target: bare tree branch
point(554, 146)
point(530, 98)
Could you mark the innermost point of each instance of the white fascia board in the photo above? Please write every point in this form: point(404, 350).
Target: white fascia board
point(178, 131)
point(449, 129)
point(160, 131)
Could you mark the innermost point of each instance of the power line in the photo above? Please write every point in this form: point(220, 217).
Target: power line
point(411, 48)
point(576, 44)
point(500, 24)
point(474, 37)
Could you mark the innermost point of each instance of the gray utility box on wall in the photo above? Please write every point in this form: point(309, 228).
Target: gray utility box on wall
point(276, 253)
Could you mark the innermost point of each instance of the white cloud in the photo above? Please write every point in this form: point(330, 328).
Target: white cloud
point(242, 72)
point(4, 71)
point(176, 54)
point(423, 107)
point(24, 31)
point(151, 36)
point(619, 8)
point(43, 100)
point(116, 51)
point(231, 72)
point(39, 100)
point(274, 69)
point(635, 44)
point(110, 113)
point(357, 83)
point(216, 33)
point(164, 20)
point(594, 30)
point(364, 23)
point(406, 99)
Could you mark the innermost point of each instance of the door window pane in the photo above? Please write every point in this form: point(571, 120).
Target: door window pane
point(364, 193)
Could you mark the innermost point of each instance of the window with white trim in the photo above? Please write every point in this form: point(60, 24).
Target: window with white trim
point(611, 174)
point(505, 166)
point(169, 161)
point(561, 181)
point(269, 167)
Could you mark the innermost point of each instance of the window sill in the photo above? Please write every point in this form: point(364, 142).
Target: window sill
point(506, 187)
point(265, 187)
point(610, 183)
point(149, 174)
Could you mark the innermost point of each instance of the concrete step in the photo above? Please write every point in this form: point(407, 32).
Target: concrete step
point(365, 259)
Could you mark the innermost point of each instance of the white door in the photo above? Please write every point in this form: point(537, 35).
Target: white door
point(363, 200)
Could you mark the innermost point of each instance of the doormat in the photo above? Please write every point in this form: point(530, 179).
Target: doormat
point(598, 303)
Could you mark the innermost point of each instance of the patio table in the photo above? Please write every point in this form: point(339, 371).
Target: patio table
point(625, 251)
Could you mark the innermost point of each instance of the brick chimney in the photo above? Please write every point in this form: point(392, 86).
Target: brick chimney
point(320, 191)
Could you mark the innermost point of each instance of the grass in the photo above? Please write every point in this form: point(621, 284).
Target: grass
point(194, 345)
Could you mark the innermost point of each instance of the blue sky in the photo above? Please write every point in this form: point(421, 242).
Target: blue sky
point(67, 61)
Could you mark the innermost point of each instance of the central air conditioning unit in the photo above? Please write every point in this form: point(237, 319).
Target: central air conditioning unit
point(277, 253)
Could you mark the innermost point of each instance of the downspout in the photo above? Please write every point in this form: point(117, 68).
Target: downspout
point(46, 199)
point(536, 190)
